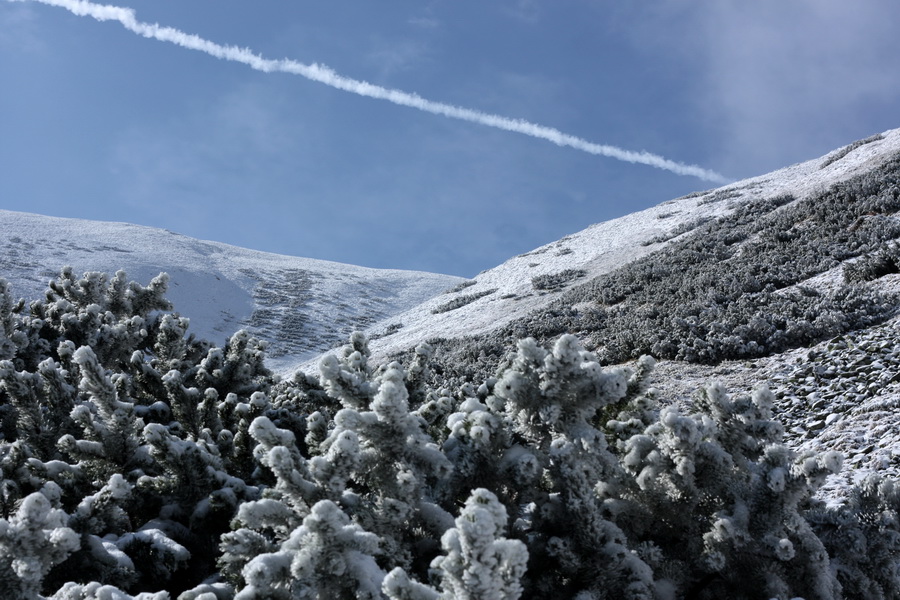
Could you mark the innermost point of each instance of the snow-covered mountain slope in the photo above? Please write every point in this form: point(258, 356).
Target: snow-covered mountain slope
point(530, 281)
point(840, 393)
point(300, 306)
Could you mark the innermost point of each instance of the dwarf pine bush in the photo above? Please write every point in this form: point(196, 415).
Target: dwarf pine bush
point(884, 261)
point(138, 462)
point(110, 415)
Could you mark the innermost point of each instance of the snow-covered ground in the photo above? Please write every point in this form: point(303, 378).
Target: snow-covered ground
point(506, 292)
point(300, 306)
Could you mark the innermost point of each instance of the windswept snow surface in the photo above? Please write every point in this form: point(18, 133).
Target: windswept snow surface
point(502, 294)
point(301, 306)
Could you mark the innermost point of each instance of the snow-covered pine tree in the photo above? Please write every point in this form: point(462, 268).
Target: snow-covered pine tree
point(138, 462)
point(862, 537)
point(717, 502)
point(31, 542)
point(87, 425)
point(478, 561)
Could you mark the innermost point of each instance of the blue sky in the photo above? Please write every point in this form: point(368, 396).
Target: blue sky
point(100, 123)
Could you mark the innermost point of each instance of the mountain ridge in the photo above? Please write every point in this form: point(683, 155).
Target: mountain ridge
point(305, 308)
point(576, 449)
point(514, 287)
point(299, 306)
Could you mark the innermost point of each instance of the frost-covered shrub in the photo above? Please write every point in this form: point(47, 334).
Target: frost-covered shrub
point(112, 412)
point(461, 301)
point(160, 467)
point(678, 230)
point(479, 562)
point(556, 280)
point(31, 542)
point(11, 336)
point(733, 497)
point(884, 261)
point(461, 286)
point(325, 557)
point(862, 537)
point(720, 196)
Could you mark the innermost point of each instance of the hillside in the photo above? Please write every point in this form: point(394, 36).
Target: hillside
point(300, 306)
point(516, 296)
point(446, 455)
point(304, 307)
point(743, 284)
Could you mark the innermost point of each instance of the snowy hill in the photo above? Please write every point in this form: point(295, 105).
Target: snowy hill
point(300, 306)
point(840, 393)
point(305, 307)
point(135, 459)
point(530, 281)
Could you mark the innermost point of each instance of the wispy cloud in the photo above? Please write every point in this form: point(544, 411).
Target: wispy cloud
point(322, 74)
point(525, 10)
point(781, 81)
point(17, 28)
point(424, 22)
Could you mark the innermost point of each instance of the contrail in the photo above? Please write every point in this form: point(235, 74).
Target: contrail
point(323, 74)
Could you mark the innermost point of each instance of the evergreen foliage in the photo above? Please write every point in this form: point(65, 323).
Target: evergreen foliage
point(556, 280)
point(138, 462)
point(884, 261)
point(114, 450)
point(461, 301)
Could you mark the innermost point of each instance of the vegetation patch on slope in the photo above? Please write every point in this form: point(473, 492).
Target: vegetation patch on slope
point(875, 265)
point(839, 154)
point(461, 301)
point(730, 289)
point(554, 281)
